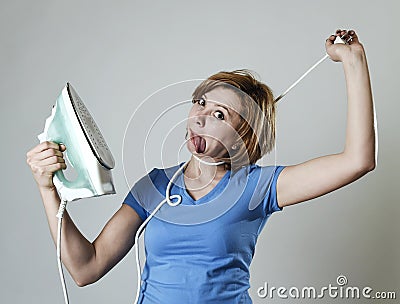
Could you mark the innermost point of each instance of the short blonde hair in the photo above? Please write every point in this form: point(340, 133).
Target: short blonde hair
point(257, 127)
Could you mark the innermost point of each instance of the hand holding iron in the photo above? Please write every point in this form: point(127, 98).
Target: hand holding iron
point(45, 159)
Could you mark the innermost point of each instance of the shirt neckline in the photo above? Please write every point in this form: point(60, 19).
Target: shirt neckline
point(219, 187)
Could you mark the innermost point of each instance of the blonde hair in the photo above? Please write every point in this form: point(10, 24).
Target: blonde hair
point(257, 128)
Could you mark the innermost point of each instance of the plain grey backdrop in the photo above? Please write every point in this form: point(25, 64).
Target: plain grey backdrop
point(118, 53)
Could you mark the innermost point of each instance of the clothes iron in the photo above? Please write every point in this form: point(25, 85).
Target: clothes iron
point(71, 124)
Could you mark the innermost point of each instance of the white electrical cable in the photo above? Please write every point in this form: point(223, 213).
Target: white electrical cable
point(60, 214)
point(208, 163)
point(170, 203)
point(166, 200)
point(343, 39)
point(301, 77)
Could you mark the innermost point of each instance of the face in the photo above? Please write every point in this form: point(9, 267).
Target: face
point(212, 123)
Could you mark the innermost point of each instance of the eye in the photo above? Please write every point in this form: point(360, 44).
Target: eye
point(200, 101)
point(219, 115)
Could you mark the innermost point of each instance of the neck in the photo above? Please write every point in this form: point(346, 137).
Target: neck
point(204, 169)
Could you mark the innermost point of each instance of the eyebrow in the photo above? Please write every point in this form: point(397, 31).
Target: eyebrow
point(218, 104)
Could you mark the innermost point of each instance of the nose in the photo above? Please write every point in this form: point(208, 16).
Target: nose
point(199, 116)
point(200, 119)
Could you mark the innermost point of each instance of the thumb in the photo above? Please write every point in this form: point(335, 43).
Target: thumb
point(62, 147)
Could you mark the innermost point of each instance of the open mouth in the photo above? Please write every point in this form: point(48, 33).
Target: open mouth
point(198, 142)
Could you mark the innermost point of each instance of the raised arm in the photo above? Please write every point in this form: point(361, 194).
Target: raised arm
point(322, 175)
point(86, 261)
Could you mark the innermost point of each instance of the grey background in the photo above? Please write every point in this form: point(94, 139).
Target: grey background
point(117, 54)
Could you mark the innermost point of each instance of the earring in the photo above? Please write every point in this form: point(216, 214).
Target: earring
point(235, 147)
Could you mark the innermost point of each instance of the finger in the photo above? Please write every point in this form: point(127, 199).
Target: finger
point(354, 35)
point(49, 161)
point(340, 32)
point(57, 166)
point(47, 170)
point(44, 154)
point(53, 168)
point(349, 36)
point(44, 146)
point(330, 40)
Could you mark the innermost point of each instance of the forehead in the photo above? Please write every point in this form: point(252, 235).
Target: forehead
point(225, 97)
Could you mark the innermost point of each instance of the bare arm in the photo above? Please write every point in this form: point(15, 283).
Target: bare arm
point(86, 261)
point(319, 176)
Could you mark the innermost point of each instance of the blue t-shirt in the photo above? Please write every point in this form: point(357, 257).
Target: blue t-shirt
point(203, 254)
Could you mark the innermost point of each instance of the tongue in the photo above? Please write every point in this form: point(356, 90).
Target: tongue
point(200, 144)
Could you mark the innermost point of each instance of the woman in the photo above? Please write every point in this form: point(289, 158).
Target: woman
point(230, 126)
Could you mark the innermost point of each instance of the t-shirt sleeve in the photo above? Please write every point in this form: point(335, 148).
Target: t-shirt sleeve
point(144, 193)
point(136, 198)
point(131, 200)
point(270, 201)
